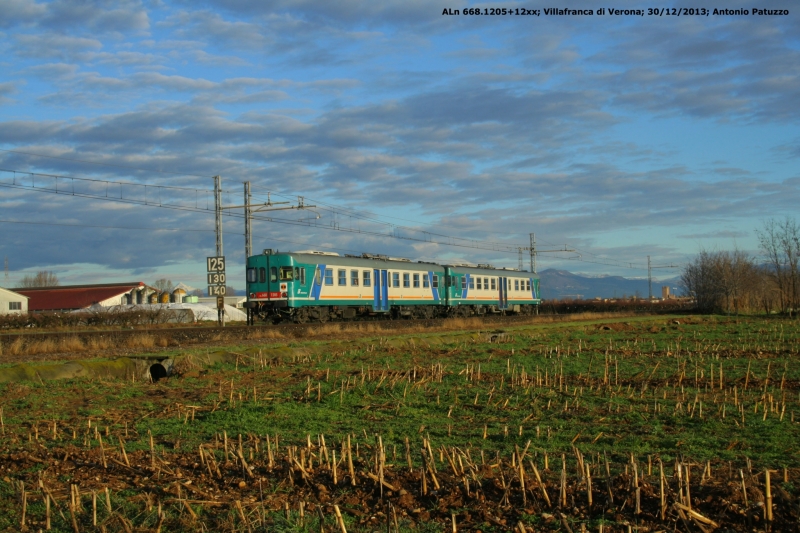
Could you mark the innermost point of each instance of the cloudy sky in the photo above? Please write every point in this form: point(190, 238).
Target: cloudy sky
point(616, 136)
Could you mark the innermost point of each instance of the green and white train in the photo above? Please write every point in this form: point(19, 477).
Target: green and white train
point(310, 286)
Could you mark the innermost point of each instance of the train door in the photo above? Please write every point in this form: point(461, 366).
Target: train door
point(503, 296)
point(380, 301)
point(385, 289)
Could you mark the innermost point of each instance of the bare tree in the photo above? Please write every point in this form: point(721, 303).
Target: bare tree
point(700, 282)
point(163, 285)
point(43, 278)
point(722, 281)
point(780, 242)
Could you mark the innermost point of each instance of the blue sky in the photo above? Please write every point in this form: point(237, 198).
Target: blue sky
point(617, 136)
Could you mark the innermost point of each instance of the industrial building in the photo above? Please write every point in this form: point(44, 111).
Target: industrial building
point(12, 302)
point(72, 297)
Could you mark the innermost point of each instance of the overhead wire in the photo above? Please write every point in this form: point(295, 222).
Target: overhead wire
point(460, 242)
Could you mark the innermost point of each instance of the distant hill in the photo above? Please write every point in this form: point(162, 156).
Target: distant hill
point(560, 284)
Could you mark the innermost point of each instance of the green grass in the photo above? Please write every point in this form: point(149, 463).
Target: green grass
point(635, 391)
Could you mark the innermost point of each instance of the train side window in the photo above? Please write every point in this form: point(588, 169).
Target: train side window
point(273, 274)
point(494, 286)
point(472, 283)
point(262, 275)
point(342, 277)
point(516, 284)
point(425, 283)
point(527, 284)
point(328, 276)
point(252, 275)
point(436, 281)
point(480, 284)
point(406, 280)
point(354, 278)
point(302, 275)
point(367, 280)
point(396, 279)
point(416, 281)
point(297, 273)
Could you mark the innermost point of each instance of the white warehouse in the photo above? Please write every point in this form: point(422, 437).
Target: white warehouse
point(12, 302)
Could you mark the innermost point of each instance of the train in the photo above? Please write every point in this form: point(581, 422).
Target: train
point(313, 286)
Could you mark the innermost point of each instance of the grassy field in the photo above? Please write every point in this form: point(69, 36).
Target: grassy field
point(656, 423)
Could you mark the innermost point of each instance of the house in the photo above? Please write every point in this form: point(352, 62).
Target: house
point(12, 302)
point(71, 297)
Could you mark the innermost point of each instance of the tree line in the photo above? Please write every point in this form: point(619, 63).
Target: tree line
point(734, 281)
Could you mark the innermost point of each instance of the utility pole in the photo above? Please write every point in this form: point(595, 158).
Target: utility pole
point(218, 227)
point(533, 251)
point(248, 237)
point(218, 213)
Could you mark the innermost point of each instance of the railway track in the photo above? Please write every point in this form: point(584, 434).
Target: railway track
point(206, 333)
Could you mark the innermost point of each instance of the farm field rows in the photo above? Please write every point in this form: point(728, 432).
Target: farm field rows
point(681, 423)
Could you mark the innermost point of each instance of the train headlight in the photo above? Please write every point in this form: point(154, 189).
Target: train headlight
point(284, 295)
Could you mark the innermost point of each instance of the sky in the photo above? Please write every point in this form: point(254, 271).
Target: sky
point(412, 133)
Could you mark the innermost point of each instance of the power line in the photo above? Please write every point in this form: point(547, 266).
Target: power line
point(427, 236)
point(104, 227)
point(112, 165)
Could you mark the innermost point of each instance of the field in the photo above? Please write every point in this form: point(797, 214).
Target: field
point(633, 424)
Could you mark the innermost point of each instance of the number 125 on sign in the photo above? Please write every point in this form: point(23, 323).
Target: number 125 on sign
point(215, 264)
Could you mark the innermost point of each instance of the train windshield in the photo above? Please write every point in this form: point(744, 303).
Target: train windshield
point(287, 274)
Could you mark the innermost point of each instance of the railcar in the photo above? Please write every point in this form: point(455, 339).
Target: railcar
point(316, 286)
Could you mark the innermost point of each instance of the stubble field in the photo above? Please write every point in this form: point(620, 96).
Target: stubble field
point(652, 423)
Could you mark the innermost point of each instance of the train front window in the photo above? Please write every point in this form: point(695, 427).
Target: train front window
point(252, 275)
point(287, 274)
point(273, 274)
point(262, 275)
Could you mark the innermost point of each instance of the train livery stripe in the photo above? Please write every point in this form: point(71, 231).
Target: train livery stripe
point(316, 287)
point(434, 290)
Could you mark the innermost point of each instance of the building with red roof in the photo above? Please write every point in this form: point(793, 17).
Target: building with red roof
point(71, 297)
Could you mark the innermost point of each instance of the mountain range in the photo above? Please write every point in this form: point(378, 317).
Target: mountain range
point(561, 284)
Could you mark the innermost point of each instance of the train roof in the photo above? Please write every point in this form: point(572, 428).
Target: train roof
point(362, 261)
point(367, 260)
